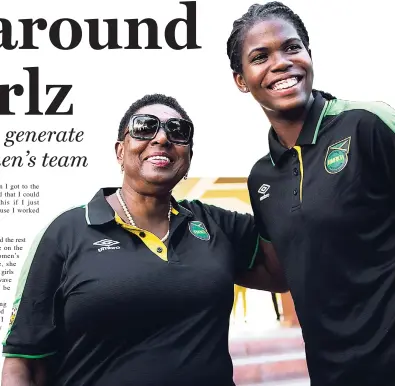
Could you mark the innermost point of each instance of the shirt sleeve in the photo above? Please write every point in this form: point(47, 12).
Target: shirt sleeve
point(263, 233)
point(384, 149)
point(378, 145)
point(32, 331)
point(242, 233)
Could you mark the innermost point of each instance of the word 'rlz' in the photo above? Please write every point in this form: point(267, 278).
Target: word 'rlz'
point(54, 106)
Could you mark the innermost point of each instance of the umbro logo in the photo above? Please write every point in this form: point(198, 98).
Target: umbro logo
point(264, 191)
point(106, 244)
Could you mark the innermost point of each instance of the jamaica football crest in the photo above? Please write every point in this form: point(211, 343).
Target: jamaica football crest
point(198, 229)
point(337, 156)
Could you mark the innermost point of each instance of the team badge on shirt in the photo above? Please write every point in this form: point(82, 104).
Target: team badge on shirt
point(337, 156)
point(198, 229)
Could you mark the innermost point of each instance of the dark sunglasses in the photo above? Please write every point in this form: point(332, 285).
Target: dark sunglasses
point(145, 127)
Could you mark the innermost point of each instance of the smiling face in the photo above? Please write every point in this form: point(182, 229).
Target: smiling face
point(277, 67)
point(153, 166)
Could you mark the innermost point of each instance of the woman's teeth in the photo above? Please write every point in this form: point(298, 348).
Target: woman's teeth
point(159, 158)
point(286, 83)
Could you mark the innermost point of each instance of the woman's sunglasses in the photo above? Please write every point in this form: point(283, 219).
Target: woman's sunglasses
point(145, 127)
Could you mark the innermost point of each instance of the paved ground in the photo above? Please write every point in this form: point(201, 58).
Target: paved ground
point(262, 349)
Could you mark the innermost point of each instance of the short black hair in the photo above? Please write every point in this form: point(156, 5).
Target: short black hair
point(147, 100)
point(256, 13)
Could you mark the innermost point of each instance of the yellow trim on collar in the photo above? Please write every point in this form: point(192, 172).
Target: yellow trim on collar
point(299, 151)
point(150, 240)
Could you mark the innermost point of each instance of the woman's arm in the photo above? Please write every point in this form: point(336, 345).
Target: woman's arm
point(255, 260)
point(32, 337)
point(23, 372)
point(267, 273)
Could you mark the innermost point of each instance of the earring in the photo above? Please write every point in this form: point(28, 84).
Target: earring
point(122, 168)
point(186, 176)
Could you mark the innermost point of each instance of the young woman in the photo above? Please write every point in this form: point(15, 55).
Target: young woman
point(324, 198)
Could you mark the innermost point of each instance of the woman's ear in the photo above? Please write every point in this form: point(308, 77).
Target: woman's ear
point(119, 151)
point(240, 83)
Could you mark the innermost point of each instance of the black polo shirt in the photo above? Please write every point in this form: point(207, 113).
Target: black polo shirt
point(328, 207)
point(111, 305)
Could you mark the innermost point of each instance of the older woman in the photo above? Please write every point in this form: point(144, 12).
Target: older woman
point(135, 288)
